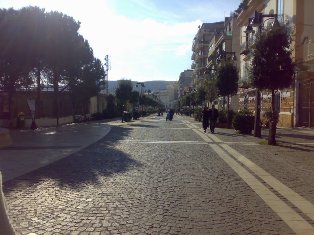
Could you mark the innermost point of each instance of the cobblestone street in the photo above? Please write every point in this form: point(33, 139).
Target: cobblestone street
point(158, 177)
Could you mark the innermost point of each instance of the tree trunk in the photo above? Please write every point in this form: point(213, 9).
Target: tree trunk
point(257, 120)
point(56, 94)
point(10, 100)
point(38, 106)
point(273, 121)
point(229, 122)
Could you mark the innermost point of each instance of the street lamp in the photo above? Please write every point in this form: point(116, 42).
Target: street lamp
point(257, 21)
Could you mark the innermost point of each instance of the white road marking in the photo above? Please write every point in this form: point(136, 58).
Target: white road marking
point(285, 212)
point(297, 223)
point(304, 205)
point(165, 141)
point(202, 135)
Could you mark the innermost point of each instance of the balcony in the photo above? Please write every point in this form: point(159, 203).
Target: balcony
point(223, 37)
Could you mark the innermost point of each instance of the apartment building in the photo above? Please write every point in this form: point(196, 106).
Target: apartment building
point(296, 104)
point(185, 82)
point(200, 46)
point(225, 47)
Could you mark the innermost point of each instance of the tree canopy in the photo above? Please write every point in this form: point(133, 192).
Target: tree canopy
point(272, 66)
point(227, 79)
point(47, 46)
point(124, 91)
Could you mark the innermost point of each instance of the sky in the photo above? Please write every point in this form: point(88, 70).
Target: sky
point(145, 39)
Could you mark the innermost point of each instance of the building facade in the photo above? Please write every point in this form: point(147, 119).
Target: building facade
point(200, 47)
point(185, 82)
point(225, 47)
point(295, 104)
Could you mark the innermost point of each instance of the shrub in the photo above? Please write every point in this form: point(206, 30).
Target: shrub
point(222, 116)
point(136, 115)
point(230, 115)
point(97, 116)
point(127, 116)
point(266, 118)
point(198, 114)
point(243, 122)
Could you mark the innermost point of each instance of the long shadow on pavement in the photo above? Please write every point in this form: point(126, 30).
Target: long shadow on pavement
point(84, 167)
point(295, 146)
point(143, 125)
point(296, 136)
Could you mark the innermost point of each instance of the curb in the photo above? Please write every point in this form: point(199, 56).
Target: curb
point(5, 224)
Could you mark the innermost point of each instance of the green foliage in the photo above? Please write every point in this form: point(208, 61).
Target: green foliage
point(272, 66)
point(225, 116)
point(97, 116)
point(198, 114)
point(242, 6)
point(267, 117)
point(124, 91)
point(243, 122)
point(211, 88)
point(222, 116)
point(135, 97)
point(34, 42)
point(200, 95)
point(186, 100)
point(127, 116)
point(227, 79)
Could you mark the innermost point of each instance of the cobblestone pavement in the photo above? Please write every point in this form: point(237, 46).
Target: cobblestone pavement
point(291, 161)
point(148, 177)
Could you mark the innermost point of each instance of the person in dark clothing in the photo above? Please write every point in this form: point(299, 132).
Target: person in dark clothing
point(205, 114)
point(213, 115)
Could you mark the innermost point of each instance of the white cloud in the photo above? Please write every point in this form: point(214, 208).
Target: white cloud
point(139, 49)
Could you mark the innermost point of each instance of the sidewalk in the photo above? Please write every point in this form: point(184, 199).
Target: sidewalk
point(34, 149)
point(284, 136)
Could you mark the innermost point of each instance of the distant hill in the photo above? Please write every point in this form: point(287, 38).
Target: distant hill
point(149, 85)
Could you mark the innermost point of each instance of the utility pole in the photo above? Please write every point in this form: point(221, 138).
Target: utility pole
point(106, 73)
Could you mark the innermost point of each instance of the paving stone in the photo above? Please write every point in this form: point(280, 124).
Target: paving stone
point(122, 184)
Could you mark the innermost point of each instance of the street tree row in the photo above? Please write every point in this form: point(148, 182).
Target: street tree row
point(38, 47)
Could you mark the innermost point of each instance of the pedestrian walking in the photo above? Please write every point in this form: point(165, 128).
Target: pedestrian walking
point(213, 115)
point(205, 114)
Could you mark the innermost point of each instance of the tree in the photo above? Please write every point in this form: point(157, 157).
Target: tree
point(227, 80)
point(111, 106)
point(14, 68)
point(212, 90)
point(272, 67)
point(33, 21)
point(65, 52)
point(86, 85)
point(200, 95)
point(36, 46)
point(135, 96)
point(124, 91)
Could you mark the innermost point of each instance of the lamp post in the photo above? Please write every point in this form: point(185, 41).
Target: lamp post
point(257, 21)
